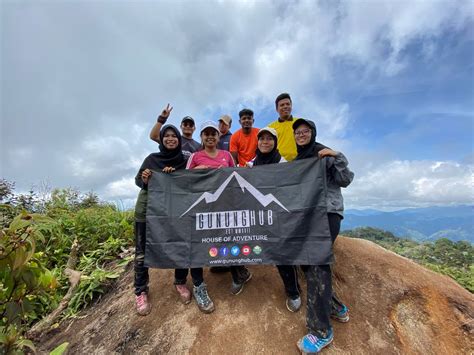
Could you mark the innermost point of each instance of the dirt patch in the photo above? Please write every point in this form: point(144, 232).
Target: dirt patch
point(396, 307)
point(412, 325)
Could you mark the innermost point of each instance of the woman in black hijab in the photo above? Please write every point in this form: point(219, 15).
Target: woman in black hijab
point(322, 303)
point(267, 153)
point(169, 159)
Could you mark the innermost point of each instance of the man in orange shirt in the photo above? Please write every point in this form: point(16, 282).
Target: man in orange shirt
point(243, 143)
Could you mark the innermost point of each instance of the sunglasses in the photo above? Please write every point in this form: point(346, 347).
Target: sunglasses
point(187, 124)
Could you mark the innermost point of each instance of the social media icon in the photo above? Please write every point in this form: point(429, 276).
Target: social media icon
point(235, 250)
point(257, 249)
point(213, 252)
point(246, 250)
point(224, 251)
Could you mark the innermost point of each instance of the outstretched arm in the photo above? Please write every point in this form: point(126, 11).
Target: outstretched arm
point(161, 120)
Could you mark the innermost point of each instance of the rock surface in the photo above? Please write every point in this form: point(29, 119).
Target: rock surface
point(396, 307)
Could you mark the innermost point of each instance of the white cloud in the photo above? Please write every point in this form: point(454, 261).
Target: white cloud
point(376, 33)
point(21, 155)
point(331, 120)
point(96, 83)
point(121, 189)
point(102, 155)
point(412, 184)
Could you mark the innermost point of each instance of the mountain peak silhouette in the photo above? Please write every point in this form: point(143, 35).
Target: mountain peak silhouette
point(264, 200)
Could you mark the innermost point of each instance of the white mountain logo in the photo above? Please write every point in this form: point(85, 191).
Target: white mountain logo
point(265, 200)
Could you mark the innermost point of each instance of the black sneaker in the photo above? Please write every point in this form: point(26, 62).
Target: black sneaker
point(237, 288)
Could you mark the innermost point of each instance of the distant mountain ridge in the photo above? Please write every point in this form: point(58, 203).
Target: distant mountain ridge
point(430, 223)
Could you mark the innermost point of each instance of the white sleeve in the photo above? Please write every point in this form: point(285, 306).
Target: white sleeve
point(190, 159)
point(250, 162)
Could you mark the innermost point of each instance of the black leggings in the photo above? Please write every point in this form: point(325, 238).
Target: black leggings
point(180, 275)
point(141, 272)
point(320, 297)
point(289, 273)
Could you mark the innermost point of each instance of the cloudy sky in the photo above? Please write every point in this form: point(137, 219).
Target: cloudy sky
point(389, 83)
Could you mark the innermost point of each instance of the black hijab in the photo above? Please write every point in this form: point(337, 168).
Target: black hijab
point(165, 157)
point(270, 157)
point(311, 149)
point(169, 157)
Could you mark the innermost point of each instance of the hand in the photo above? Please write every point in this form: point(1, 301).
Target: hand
point(168, 169)
point(326, 152)
point(166, 111)
point(146, 175)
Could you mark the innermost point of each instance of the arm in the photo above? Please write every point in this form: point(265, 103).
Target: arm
point(155, 131)
point(235, 156)
point(138, 179)
point(231, 160)
point(337, 165)
point(191, 163)
point(144, 173)
point(233, 147)
point(161, 120)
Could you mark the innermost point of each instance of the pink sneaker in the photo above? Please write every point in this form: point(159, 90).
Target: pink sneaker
point(184, 293)
point(141, 302)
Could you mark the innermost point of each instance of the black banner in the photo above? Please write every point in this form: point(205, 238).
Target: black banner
point(272, 214)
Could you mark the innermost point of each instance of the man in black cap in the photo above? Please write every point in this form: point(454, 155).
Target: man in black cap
point(188, 145)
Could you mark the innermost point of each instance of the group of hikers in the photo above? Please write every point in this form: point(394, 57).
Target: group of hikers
point(286, 139)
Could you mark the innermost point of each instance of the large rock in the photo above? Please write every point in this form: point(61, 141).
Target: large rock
point(396, 307)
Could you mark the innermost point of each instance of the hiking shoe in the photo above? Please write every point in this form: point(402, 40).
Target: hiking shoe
point(184, 293)
point(311, 344)
point(142, 305)
point(202, 298)
point(293, 305)
point(237, 288)
point(341, 315)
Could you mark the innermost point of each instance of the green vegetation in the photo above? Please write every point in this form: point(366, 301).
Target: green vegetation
point(455, 259)
point(36, 243)
point(43, 238)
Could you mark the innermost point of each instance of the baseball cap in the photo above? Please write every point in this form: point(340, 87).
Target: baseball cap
point(188, 118)
point(300, 121)
point(270, 130)
point(209, 124)
point(226, 119)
